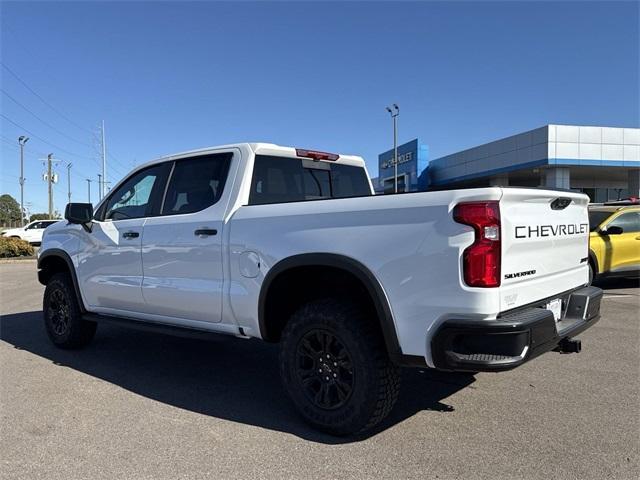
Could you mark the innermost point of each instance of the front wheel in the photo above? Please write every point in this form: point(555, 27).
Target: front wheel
point(335, 367)
point(592, 274)
point(62, 316)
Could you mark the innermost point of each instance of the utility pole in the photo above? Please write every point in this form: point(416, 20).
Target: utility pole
point(100, 185)
point(22, 140)
point(104, 163)
point(69, 181)
point(394, 114)
point(50, 182)
point(88, 190)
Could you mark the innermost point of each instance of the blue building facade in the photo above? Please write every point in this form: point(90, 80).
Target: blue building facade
point(603, 162)
point(413, 160)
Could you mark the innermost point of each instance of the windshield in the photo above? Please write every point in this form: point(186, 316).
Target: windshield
point(596, 218)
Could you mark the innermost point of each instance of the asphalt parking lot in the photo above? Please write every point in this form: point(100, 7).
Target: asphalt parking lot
point(138, 405)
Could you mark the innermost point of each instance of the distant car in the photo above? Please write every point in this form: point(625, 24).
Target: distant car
point(614, 241)
point(32, 232)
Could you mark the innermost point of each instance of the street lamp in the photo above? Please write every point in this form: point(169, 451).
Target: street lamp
point(22, 140)
point(394, 111)
point(89, 190)
point(69, 181)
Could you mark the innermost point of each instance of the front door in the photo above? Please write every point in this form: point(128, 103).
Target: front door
point(624, 249)
point(33, 233)
point(182, 247)
point(109, 263)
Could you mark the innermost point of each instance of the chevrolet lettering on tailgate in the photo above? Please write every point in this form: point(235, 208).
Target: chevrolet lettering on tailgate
point(535, 231)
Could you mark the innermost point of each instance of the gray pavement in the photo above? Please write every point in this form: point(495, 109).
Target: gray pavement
point(138, 405)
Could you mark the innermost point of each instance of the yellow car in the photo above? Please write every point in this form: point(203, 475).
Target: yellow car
point(614, 243)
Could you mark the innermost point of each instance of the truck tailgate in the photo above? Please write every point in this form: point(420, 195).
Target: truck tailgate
point(545, 238)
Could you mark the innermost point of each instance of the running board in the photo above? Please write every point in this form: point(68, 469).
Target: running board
point(156, 327)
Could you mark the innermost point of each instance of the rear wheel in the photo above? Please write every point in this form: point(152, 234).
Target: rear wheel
point(334, 365)
point(62, 316)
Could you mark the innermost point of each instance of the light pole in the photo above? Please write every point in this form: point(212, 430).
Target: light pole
point(100, 186)
point(69, 181)
point(103, 187)
point(50, 184)
point(394, 114)
point(22, 140)
point(88, 190)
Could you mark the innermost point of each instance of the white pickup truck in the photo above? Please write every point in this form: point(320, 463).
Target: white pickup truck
point(291, 246)
point(32, 232)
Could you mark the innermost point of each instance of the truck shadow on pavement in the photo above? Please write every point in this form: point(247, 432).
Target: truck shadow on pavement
point(227, 378)
point(617, 283)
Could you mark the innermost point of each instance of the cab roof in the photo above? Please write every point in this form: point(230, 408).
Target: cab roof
point(261, 148)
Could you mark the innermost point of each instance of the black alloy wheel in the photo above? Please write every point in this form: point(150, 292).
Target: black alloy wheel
point(58, 312)
point(324, 369)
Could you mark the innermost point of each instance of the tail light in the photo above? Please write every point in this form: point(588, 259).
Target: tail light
point(481, 260)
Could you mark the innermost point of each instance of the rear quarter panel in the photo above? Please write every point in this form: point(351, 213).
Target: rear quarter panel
point(410, 243)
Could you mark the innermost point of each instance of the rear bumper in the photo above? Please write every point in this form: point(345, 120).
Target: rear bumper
point(515, 338)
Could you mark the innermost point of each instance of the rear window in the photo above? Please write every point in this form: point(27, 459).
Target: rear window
point(596, 218)
point(281, 180)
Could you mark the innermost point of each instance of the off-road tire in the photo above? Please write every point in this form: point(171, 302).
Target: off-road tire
point(62, 315)
point(375, 379)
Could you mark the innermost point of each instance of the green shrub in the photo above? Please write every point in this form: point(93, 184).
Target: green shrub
point(14, 247)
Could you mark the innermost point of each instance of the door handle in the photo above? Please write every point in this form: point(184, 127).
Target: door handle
point(130, 234)
point(205, 232)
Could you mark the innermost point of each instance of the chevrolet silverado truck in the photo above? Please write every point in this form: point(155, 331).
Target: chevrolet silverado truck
point(291, 246)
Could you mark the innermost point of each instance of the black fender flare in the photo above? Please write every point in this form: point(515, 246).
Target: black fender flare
point(357, 269)
point(59, 253)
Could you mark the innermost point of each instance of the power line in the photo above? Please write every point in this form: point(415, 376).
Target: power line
point(40, 138)
point(42, 99)
point(50, 126)
point(43, 121)
point(126, 169)
point(12, 143)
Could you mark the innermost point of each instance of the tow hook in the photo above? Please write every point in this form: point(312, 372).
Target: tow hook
point(569, 345)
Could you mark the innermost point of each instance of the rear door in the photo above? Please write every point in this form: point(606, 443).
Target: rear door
point(182, 247)
point(545, 241)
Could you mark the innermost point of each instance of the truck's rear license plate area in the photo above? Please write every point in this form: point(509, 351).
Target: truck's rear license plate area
point(555, 307)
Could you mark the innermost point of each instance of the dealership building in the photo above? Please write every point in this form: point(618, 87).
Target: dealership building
point(603, 162)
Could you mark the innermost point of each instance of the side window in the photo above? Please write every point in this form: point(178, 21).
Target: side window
point(629, 222)
point(196, 183)
point(137, 196)
point(34, 226)
point(276, 180)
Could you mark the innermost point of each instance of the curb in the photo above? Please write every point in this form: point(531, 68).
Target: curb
point(17, 259)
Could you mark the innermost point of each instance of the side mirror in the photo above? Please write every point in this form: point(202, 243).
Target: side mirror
point(612, 230)
point(80, 213)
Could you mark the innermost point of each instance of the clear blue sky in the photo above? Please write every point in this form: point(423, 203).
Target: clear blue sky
point(168, 77)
